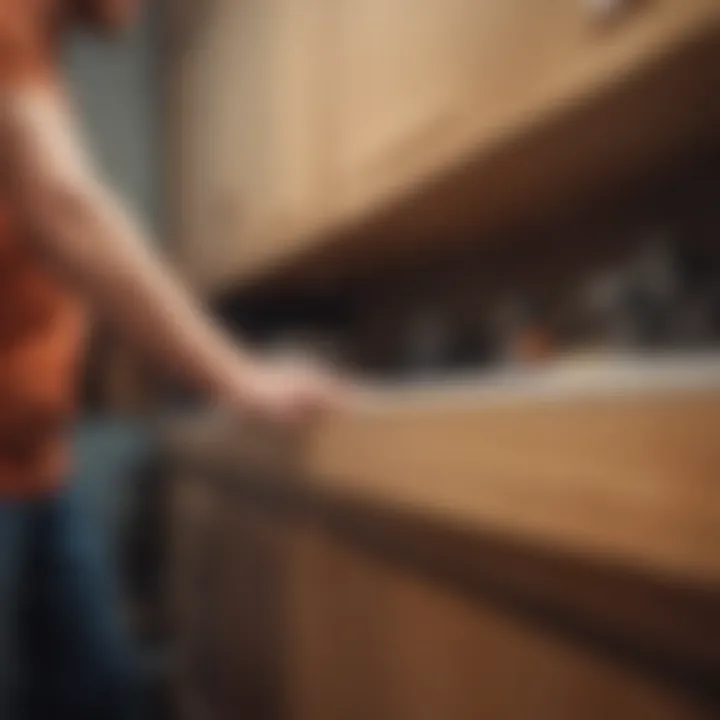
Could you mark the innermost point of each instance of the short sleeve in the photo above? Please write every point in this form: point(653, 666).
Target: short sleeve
point(22, 56)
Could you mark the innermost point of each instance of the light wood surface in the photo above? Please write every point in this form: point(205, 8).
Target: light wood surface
point(456, 555)
point(421, 86)
point(243, 114)
point(371, 638)
point(626, 469)
point(304, 618)
point(325, 135)
point(637, 479)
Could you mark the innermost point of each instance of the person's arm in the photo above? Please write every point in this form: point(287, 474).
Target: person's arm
point(83, 228)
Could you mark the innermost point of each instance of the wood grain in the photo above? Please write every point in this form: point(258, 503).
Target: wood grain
point(368, 617)
point(382, 137)
point(629, 475)
point(372, 639)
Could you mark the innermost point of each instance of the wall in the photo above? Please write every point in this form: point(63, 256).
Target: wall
point(115, 85)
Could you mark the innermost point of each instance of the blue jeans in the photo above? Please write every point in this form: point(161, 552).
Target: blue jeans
point(63, 652)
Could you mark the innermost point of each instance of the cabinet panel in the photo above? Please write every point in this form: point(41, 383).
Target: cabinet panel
point(294, 118)
point(462, 554)
point(246, 135)
point(376, 639)
point(247, 624)
point(235, 75)
point(421, 84)
point(192, 587)
point(399, 74)
point(226, 596)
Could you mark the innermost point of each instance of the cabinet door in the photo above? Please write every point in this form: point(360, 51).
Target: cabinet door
point(226, 595)
point(421, 84)
point(398, 69)
point(192, 583)
point(247, 134)
point(301, 185)
point(248, 607)
point(234, 172)
point(372, 638)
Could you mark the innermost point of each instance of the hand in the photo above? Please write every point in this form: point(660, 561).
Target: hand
point(289, 391)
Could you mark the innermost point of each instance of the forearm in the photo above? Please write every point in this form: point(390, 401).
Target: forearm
point(106, 254)
point(80, 226)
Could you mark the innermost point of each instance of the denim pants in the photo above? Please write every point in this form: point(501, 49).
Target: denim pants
point(63, 652)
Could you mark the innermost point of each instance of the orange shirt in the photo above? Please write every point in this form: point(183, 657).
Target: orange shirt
point(41, 322)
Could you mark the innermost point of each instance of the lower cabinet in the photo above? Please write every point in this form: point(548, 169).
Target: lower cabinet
point(287, 608)
point(225, 595)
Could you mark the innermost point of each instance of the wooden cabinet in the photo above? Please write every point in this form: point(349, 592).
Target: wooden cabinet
point(192, 588)
point(471, 557)
point(373, 636)
point(245, 137)
point(225, 596)
point(214, 162)
point(248, 611)
point(400, 73)
point(347, 614)
point(421, 85)
point(295, 121)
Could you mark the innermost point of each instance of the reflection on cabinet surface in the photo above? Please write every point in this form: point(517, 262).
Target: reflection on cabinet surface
point(297, 119)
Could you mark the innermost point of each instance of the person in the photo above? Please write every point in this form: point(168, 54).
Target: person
point(67, 244)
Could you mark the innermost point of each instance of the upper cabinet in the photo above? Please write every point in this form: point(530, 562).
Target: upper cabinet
point(421, 84)
point(295, 119)
point(401, 70)
point(244, 106)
